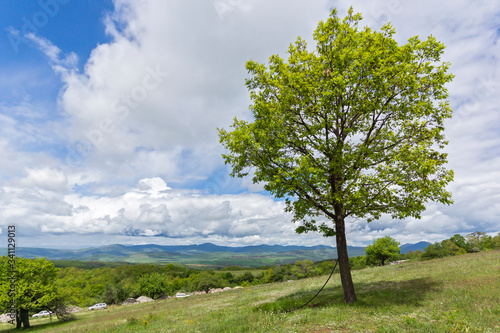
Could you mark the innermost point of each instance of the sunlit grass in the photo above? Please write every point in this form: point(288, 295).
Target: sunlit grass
point(455, 294)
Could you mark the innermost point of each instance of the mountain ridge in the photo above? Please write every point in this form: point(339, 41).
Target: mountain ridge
point(167, 253)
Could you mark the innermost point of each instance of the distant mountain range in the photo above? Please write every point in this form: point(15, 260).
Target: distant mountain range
point(414, 247)
point(207, 254)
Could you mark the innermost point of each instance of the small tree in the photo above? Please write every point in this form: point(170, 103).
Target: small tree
point(35, 286)
point(461, 242)
point(451, 248)
point(479, 241)
point(350, 130)
point(385, 248)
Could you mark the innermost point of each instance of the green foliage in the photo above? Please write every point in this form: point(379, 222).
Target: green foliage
point(35, 285)
point(385, 248)
point(274, 274)
point(352, 129)
point(474, 242)
point(434, 251)
point(363, 261)
point(206, 281)
point(114, 293)
point(495, 242)
point(245, 277)
point(353, 124)
point(461, 242)
point(303, 269)
point(479, 241)
point(154, 285)
point(451, 248)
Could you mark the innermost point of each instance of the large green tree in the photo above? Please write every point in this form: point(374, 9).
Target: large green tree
point(352, 129)
point(385, 248)
point(34, 286)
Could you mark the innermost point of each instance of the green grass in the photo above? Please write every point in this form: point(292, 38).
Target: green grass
point(455, 294)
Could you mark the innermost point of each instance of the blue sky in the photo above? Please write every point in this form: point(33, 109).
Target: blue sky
point(109, 111)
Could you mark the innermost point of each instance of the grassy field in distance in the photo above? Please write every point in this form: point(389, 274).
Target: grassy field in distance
point(453, 294)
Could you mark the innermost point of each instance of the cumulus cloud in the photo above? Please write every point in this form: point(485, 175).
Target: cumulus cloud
point(151, 209)
point(46, 178)
point(172, 75)
point(145, 110)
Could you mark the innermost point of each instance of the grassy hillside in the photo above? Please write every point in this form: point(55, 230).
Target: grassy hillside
point(453, 294)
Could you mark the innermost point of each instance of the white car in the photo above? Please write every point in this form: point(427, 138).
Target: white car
point(98, 306)
point(42, 314)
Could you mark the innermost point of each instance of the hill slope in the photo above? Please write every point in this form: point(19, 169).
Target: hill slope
point(453, 294)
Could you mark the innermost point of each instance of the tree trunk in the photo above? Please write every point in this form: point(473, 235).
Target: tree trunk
point(343, 258)
point(25, 318)
point(18, 319)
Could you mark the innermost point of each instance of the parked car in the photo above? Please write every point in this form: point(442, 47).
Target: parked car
point(98, 306)
point(42, 314)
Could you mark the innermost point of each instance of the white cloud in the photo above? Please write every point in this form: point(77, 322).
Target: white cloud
point(46, 178)
point(173, 73)
point(145, 109)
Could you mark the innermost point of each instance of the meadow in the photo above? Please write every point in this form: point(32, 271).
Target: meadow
point(452, 294)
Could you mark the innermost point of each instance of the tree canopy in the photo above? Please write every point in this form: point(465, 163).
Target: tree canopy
point(35, 286)
point(349, 130)
point(385, 248)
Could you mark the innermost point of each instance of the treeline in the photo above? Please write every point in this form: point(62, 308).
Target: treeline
point(456, 245)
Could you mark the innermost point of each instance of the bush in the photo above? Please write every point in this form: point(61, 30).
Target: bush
point(495, 242)
point(359, 262)
point(246, 277)
point(433, 251)
point(206, 281)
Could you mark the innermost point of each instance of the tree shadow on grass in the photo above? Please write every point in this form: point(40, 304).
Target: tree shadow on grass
point(373, 294)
